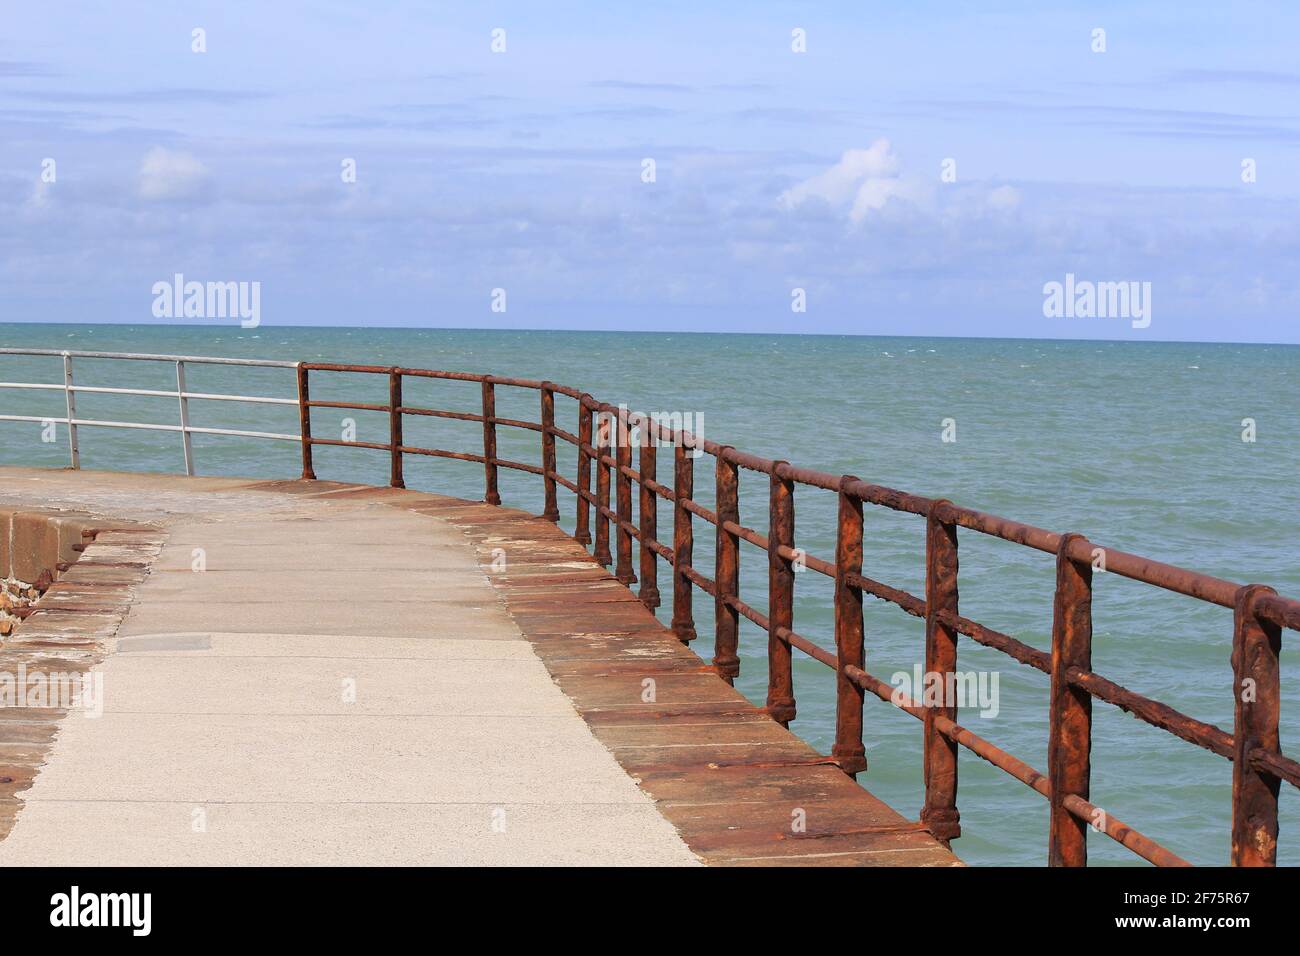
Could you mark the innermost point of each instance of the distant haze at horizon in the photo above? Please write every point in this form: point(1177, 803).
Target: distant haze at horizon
point(268, 327)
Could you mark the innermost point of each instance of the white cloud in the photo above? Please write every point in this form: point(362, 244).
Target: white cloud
point(170, 174)
point(864, 180)
point(1004, 197)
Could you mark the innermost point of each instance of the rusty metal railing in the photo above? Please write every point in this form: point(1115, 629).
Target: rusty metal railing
point(604, 442)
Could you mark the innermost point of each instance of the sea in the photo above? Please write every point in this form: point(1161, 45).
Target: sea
point(1184, 453)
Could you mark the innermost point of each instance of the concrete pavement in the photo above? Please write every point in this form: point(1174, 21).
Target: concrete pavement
point(340, 683)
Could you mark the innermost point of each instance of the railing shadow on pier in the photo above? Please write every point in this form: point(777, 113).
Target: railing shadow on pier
point(605, 440)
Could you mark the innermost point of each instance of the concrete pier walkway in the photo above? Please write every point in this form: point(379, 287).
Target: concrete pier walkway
point(340, 685)
point(308, 674)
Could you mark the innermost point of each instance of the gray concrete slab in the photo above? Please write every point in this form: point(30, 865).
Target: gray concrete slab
point(199, 644)
point(333, 686)
point(409, 619)
point(326, 758)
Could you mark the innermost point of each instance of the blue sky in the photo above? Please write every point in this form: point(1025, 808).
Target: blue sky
point(775, 170)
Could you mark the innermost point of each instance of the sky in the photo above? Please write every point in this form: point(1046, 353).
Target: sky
point(919, 168)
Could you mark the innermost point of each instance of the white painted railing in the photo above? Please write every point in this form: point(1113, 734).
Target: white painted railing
point(181, 394)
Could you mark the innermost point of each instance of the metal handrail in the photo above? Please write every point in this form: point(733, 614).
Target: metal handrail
point(1254, 748)
point(181, 394)
point(1259, 765)
point(153, 357)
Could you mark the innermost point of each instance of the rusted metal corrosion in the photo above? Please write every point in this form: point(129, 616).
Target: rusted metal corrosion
point(780, 598)
point(1284, 768)
point(1104, 822)
point(727, 574)
point(940, 760)
point(1256, 692)
point(648, 508)
point(582, 529)
point(1069, 743)
point(683, 545)
point(625, 530)
point(848, 749)
point(1259, 613)
point(1153, 712)
point(490, 494)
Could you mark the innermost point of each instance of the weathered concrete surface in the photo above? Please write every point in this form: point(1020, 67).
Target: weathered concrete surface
point(740, 789)
point(340, 685)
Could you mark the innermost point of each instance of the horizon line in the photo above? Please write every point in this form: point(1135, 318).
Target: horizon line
point(606, 331)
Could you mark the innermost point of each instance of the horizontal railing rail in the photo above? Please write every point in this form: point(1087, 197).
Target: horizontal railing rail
point(73, 421)
point(603, 443)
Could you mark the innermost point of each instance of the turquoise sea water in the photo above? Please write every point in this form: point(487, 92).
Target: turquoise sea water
point(1137, 445)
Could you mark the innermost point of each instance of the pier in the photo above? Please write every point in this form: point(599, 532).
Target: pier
point(339, 675)
point(514, 675)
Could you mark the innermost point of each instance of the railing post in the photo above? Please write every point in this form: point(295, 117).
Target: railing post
point(623, 571)
point(780, 597)
point(304, 423)
point(848, 750)
point(1069, 742)
point(551, 509)
point(582, 522)
point(649, 512)
point(604, 432)
point(490, 493)
point(940, 814)
point(727, 573)
point(683, 541)
point(395, 428)
point(70, 400)
point(1256, 644)
point(187, 445)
